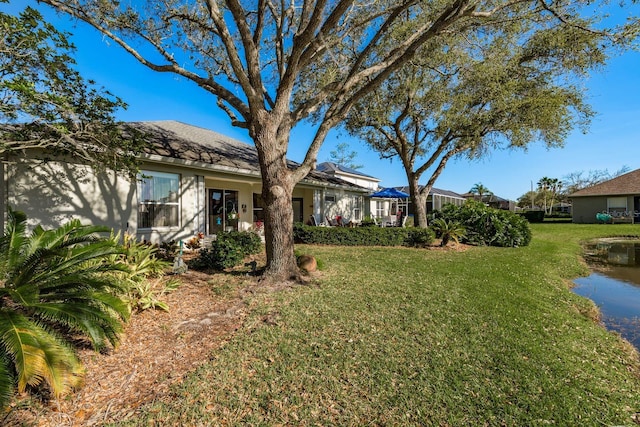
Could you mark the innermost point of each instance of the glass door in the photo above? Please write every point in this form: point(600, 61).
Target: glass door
point(223, 210)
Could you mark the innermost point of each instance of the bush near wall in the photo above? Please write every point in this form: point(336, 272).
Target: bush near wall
point(363, 236)
point(489, 226)
point(228, 250)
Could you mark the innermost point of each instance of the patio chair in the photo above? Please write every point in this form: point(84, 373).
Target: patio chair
point(331, 222)
point(390, 221)
point(312, 220)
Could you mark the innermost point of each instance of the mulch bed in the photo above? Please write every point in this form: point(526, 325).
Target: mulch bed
point(156, 351)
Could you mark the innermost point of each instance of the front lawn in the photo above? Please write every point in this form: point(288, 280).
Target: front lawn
point(400, 336)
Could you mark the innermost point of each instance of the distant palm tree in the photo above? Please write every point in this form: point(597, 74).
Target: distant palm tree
point(555, 187)
point(54, 285)
point(545, 184)
point(480, 190)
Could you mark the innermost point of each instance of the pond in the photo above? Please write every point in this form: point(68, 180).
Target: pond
point(614, 285)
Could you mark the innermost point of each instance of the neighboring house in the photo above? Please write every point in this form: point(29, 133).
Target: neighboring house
point(493, 201)
point(192, 180)
point(355, 177)
point(618, 197)
point(350, 175)
point(436, 199)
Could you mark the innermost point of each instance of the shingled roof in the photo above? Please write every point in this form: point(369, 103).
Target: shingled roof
point(626, 184)
point(330, 167)
point(177, 140)
point(434, 191)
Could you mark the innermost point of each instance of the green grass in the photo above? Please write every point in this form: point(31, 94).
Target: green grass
point(397, 336)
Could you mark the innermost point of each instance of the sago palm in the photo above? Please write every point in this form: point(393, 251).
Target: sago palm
point(55, 285)
point(448, 230)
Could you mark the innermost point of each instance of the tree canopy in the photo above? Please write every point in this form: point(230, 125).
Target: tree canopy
point(515, 83)
point(45, 104)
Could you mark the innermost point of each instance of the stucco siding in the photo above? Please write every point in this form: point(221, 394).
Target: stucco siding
point(584, 209)
point(52, 193)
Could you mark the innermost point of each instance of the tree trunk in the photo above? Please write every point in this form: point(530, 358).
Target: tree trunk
point(419, 200)
point(278, 231)
point(277, 192)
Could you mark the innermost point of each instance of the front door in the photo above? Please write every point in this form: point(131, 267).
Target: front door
point(223, 210)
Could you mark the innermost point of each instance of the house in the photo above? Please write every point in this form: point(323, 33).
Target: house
point(192, 180)
point(493, 201)
point(350, 175)
point(618, 197)
point(436, 199)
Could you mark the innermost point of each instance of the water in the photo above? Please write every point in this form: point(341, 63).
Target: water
point(614, 286)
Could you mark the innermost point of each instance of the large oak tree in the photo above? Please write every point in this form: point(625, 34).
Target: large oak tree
point(518, 84)
point(272, 64)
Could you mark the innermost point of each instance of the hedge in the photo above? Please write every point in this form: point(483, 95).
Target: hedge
point(363, 236)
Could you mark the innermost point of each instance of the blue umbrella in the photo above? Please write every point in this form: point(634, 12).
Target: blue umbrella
point(390, 193)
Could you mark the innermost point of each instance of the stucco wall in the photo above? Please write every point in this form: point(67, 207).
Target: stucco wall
point(584, 209)
point(52, 193)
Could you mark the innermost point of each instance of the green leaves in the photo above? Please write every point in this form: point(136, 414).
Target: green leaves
point(56, 283)
point(46, 104)
point(484, 225)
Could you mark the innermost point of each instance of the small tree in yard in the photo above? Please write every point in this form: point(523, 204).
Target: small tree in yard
point(272, 65)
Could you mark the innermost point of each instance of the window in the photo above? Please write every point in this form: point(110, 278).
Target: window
point(158, 201)
point(617, 206)
point(258, 208)
point(330, 198)
point(380, 211)
point(357, 208)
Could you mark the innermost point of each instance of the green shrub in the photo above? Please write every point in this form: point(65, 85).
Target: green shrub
point(419, 237)
point(56, 286)
point(228, 250)
point(362, 236)
point(488, 226)
point(146, 283)
point(533, 216)
point(250, 243)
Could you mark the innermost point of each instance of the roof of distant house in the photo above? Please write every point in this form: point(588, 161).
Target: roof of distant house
point(434, 191)
point(177, 140)
point(330, 167)
point(629, 183)
point(490, 197)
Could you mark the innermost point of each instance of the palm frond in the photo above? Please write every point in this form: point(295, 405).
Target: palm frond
point(38, 355)
point(98, 316)
point(7, 379)
point(70, 280)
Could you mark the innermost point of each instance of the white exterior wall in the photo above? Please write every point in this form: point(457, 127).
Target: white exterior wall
point(371, 184)
point(55, 192)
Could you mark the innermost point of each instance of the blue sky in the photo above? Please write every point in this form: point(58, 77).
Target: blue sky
point(613, 140)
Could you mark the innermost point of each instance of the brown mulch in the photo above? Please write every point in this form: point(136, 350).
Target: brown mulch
point(156, 351)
